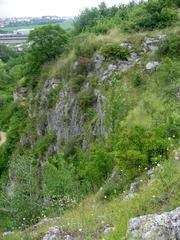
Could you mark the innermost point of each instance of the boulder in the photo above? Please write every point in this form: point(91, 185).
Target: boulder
point(177, 155)
point(165, 226)
point(3, 137)
point(57, 233)
point(151, 44)
point(152, 66)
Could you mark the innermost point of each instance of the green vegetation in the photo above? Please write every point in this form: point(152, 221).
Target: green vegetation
point(44, 51)
point(77, 128)
point(114, 51)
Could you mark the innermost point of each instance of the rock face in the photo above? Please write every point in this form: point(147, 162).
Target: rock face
point(165, 226)
point(57, 233)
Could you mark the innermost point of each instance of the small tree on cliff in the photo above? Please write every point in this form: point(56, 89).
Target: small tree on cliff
point(47, 43)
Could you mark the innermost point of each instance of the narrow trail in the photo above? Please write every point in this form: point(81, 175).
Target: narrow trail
point(3, 137)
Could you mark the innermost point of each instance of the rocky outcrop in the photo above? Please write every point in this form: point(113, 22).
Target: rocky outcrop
point(165, 226)
point(57, 233)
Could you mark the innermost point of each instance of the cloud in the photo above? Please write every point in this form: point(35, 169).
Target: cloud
point(48, 7)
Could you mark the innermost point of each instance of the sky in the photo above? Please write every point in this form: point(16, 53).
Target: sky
point(35, 8)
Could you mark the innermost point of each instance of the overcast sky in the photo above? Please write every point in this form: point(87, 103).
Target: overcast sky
point(21, 8)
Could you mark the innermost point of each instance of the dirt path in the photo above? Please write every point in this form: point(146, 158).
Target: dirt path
point(2, 137)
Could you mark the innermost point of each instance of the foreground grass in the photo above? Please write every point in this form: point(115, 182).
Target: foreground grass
point(87, 221)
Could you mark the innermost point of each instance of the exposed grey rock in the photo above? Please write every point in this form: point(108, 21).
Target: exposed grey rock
point(101, 114)
point(57, 233)
point(65, 119)
point(152, 66)
point(134, 186)
point(3, 137)
point(20, 94)
point(177, 155)
point(98, 60)
point(151, 172)
point(7, 234)
point(108, 229)
point(51, 83)
point(121, 66)
point(165, 226)
point(152, 44)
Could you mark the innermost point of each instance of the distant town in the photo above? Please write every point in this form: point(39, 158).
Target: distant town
point(16, 21)
point(16, 30)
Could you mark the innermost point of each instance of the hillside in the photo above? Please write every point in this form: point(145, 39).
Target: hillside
point(90, 125)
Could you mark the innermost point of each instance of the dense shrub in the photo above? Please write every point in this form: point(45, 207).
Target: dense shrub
point(137, 80)
point(139, 148)
point(26, 203)
point(95, 166)
point(43, 144)
point(76, 82)
point(85, 46)
point(115, 51)
point(61, 179)
point(6, 52)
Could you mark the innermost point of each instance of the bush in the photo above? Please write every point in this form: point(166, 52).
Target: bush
point(86, 98)
point(61, 178)
point(137, 80)
point(115, 51)
point(76, 82)
point(139, 148)
point(95, 167)
point(170, 47)
point(86, 46)
point(6, 53)
point(42, 145)
point(26, 203)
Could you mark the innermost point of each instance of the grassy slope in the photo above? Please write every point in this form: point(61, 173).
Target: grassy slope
point(162, 194)
point(88, 219)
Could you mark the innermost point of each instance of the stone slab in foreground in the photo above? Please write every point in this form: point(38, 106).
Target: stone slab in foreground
point(165, 226)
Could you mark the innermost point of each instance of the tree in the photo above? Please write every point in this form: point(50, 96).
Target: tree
point(6, 53)
point(47, 43)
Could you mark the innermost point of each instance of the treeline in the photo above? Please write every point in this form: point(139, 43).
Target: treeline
point(41, 21)
point(145, 15)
